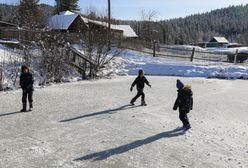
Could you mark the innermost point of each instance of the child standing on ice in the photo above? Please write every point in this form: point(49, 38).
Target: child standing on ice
point(26, 83)
point(185, 103)
point(140, 82)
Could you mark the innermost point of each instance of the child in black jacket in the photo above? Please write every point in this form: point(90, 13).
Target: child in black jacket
point(26, 83)
point(140, 82)
point(185, 103)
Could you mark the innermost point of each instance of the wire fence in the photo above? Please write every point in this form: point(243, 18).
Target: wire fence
point(186, 53)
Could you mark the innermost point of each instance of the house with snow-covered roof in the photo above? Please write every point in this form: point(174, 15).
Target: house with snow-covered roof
point(125, 30)
point(67, 21)
point(72, 22)
point(217, 42)
point(221, 40)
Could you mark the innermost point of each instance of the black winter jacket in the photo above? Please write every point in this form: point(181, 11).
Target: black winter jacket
point(27, 81)
point(184, 101)
point(140, 82)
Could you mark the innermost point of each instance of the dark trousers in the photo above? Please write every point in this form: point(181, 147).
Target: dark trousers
point(184, 118)
point(140, 93)
point(27, 94)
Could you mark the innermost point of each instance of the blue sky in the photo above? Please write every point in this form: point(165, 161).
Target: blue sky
point(166, 9)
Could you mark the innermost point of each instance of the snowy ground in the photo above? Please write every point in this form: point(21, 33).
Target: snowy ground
point(88, 124)
point(132, 61)
point(127, 63)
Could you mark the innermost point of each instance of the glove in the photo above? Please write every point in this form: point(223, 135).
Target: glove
point(131, 89)
point(150, 86)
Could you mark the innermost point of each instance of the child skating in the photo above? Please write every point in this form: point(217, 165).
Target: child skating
point(26, 83)
point(140, 82)
point(185, 103)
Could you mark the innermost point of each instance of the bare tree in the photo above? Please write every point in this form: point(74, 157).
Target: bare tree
point(10, 68)
point(148, 18)
point(55, 57)
point(97, 50)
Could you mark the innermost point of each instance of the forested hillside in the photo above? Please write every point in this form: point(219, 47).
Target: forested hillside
point(231, 22)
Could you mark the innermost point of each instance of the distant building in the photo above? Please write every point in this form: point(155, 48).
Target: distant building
point(72, 22)
point(217, 42)
point(124, 30)
point(67, 21)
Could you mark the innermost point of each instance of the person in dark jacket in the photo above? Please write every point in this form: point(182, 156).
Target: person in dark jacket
point(26, 83)
point(140, 82)
point(185, 103)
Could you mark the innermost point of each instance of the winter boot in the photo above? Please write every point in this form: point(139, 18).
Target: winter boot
point(30, 107)
point(187, 127)
point(143, 103)
point(132, 103)
point(24, 108)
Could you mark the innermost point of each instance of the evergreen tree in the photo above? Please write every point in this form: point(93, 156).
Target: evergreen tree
point(29, 13)
point(70, 5)
point(231, 22)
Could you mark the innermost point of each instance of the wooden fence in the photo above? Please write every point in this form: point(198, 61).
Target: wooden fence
point(152, 48)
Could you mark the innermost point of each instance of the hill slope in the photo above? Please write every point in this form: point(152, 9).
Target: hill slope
point(231, 22)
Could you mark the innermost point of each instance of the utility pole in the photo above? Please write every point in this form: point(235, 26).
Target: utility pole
point(109, 15)
point(109, 24)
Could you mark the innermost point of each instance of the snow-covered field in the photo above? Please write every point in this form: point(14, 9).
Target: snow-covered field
point(88, 124)
point(132, 61)
point(127, 63)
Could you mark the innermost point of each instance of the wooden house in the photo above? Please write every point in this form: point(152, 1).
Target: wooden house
point(72, 22)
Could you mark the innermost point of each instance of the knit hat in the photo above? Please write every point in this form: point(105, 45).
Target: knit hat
point(179, 85)
point(140, 72)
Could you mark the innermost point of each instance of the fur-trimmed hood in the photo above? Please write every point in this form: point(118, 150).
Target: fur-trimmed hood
point(187, 88)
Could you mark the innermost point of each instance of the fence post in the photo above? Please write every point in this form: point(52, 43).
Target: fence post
point(235, 56)
point(192, 55)
point(154, 48)
point(1, 79)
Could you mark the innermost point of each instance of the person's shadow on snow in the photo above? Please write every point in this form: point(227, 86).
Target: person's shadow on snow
point(12, 113)
point(125, 148)
point(110, 111)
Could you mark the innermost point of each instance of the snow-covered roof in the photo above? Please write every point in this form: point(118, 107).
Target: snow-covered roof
point(62, 21)
point(220, 39)
point(126, 29)
point(86, 20)
point(67, 13)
